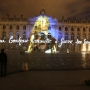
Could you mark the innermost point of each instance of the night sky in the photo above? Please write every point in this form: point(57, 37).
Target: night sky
point(54, 8)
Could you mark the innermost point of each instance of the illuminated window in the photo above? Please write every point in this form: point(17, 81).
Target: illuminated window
point(72, 36)
point(24, 34)
point(78, 36)
point(66, 28)
point(24, 27)
point(84, 36)
point(4, 34)
point(59, 37)
point(17, 34)
point(66, 36)
point(4, 26)
point(83, 29)
point(72, 28)
point(88, 47)
point(10, 34)
point(10, 26)
point(78, 29)
point(84, 47)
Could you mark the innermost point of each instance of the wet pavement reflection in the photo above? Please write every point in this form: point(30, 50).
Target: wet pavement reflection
point(43, 61)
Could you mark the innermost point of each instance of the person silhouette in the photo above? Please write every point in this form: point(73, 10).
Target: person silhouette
point(3, 60)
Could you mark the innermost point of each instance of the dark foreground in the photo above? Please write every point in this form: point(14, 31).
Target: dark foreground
point(46, 80)
point(47, 72)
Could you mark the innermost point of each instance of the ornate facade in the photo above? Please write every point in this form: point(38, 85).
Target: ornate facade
point(42, 27)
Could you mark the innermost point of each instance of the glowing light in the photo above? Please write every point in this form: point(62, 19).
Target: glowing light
point(64, 41)
point(83, 52)
point(54, 49)
point(11, 40)
point(48, 51)
point(88, 47)
point(84, 47)
point(41, 25)
point(32, 38)
point(30, 48)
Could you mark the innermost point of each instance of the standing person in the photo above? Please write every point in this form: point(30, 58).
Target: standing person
point(3, 58)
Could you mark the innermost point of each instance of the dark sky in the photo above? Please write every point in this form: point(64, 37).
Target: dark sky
point(54, 8)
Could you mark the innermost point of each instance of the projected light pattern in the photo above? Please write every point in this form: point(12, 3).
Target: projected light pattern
point(84, 47)
point(43, 25)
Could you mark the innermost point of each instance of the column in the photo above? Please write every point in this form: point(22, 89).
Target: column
point(7, 36)
point(21, 35)
point(14, 35)
point(87, 33)
point(69, 38)
point(75, 38)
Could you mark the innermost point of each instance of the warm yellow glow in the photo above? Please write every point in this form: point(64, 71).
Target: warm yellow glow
point(88, 47)
point(30, 48)
point(83, 52)
point(84, 47)
point(41, 25)
point(54, 49)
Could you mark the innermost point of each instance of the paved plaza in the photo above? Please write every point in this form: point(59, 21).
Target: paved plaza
point(46, 80)
point(42, 61)
point(47, 72)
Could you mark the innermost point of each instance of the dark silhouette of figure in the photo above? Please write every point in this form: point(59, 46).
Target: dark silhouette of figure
point(3, 60)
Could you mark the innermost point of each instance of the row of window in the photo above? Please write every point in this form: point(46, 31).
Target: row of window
point(11, 34)
point(72, 29)
point(11, 47)
point(72, 48)
point(17, 47)
point(49, 28)
point(66, 37)
point(17, 27)
point(66, 28)
point(38, 27)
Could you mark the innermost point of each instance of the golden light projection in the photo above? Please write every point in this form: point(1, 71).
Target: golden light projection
point(88, 47)
point(41, 26)
point(84, 47)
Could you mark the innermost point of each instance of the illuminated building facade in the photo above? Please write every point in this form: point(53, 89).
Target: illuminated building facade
point(41, 28)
